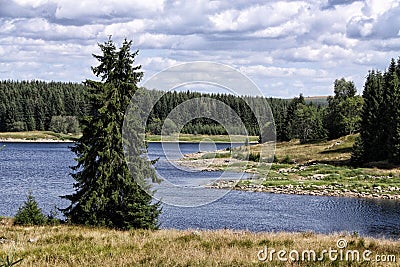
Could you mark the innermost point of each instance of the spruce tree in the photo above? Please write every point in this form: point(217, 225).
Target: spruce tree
point(390, 107)
point(289, 132)
point(371, 145)
point(107, 193)
point(380, 126)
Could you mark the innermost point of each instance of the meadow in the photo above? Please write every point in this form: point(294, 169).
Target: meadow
point(64, 245)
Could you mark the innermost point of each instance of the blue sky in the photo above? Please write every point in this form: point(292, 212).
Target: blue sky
point(285, 47)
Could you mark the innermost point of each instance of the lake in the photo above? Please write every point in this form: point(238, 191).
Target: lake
point(43, 168)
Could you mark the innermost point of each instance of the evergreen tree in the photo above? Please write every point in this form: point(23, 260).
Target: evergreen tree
point(380, 126)
point(371, 144)
point(30, 213)
point(308, 121)
point(289, 132)
point(391, 105)
point(107, 193)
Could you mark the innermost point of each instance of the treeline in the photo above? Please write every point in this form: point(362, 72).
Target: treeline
point(35, 105)
point(38, 105)
point(379, 138)
point(245, 107)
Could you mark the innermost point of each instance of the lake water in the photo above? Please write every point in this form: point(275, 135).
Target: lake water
point(43, 168)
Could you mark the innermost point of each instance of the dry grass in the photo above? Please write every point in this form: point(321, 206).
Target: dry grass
point(82, 246)
point(338, 150)
point(37, 136)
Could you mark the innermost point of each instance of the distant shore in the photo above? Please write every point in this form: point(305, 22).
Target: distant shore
point(40, 140)
point(37, 137)
point(49, 136)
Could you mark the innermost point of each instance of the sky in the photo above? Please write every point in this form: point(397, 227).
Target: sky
point(285, 47)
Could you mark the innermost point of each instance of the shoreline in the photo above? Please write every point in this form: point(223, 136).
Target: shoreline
point(39, 140)
point(327, 191)
point(310, 185)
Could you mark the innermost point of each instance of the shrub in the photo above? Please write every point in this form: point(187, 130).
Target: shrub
point(287, 160)
point(30, 213)
point(254, 157)
point(64, 124)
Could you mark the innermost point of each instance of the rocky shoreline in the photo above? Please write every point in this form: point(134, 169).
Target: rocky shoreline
point(313, 190)
point(301, 185)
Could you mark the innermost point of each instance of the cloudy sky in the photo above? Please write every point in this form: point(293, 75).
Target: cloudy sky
point(285, 47)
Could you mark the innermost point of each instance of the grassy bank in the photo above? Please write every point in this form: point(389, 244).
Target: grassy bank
point(315, 169)
point(36, 136)
point(82, 246)
point(201, 138)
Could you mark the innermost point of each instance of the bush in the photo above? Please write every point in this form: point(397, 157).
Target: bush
point(30, 213)
point(17, 126)
point(64, 124)
point(287, 160)
point(254, 157)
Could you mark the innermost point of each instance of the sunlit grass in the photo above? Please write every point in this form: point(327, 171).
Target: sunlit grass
point(83, 246)
point(38, 135)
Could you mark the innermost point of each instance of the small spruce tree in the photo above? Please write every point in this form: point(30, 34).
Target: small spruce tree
point(30, 213)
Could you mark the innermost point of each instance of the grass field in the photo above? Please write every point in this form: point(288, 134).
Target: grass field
point(83, 246)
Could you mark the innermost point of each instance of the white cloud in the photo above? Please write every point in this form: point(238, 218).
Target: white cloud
point(256, 17)
point(379, 19)
point(285, 46)
point(31, 3)
point(67, 9)
point(272, 71)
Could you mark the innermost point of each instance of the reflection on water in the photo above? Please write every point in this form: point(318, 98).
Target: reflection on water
point(43, 169)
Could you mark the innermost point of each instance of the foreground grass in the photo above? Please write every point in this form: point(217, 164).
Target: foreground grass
point(82, 246)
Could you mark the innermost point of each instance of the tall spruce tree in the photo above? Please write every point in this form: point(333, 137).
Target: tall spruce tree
point(289, 132)
point(380, 126)
point(107, 193)
point(390, 107)
point(371, 144)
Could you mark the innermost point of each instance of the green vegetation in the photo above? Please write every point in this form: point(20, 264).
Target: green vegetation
point(107, 193)
point(83, 246)
point(31, 105)
point(380, 125)
point(30, 213)
point(344, 109)
point(70, 103)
